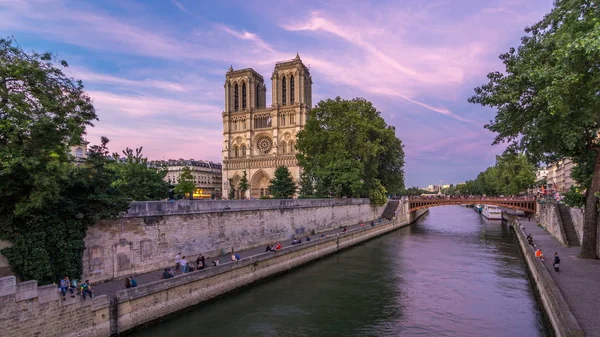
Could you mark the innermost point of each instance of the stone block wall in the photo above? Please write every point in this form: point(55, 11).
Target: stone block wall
point(549, 218)
point(29, 310)
point(150, 235)
point(577, 217)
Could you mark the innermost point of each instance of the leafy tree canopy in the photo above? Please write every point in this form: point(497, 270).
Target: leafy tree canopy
point(547, 97)
point(349, 150)
point(136, 179)
point(244, 185)
point(185, 183)
point(282, 185)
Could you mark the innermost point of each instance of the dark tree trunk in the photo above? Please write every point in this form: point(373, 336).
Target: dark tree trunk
point(589, 238)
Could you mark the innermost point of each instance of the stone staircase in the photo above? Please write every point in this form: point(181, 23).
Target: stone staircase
point(390, 210)
point(568, 226)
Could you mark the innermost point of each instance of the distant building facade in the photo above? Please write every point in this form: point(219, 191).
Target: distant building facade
point(207, 175)
point(79, 152)
point(258, 138)
point(557, 176)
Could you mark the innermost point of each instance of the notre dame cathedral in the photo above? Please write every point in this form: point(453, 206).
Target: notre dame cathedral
point(258, 138)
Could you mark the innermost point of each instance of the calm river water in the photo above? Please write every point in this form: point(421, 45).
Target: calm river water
point(451, 273)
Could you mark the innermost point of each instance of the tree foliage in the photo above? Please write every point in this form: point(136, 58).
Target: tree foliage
point(547, 98)
point(350, 151)
point(513, 174)
point(244, 185)
point(306, 185)
point(231, 194)
point(185, 183)
point(46, 201)
point(282, 185)
point(136, 179)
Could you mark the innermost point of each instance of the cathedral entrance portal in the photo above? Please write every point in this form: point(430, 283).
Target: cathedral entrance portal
point(259, 186)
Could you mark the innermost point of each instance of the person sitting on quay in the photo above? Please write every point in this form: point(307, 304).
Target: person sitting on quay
point(556, 264)
point(323, 235)
point(216, 263)
point(190, 266)
point(200, 262)
point(235, 257)
point(128, 282)
point(177, 261)
point(86, 289)
point(307, 238)
point(278, 246)
point(530, 240)
point(294, 242)
point(167, 273)
point(299, 240)
point(539, 254)
point(65, 284)
point(270, 248)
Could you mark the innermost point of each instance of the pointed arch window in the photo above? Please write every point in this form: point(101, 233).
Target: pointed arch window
point(236, 98)
point(284, 147)
point(244, 96)
point(283, 91)
point(243, 151)
point(292, 89)
point(256, 94)
point(236, 151)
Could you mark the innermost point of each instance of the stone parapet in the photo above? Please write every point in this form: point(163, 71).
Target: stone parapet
point(29, 310)
point(162, 208)
point(549, 218)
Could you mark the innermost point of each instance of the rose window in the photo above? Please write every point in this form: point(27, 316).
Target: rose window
point(264, 145)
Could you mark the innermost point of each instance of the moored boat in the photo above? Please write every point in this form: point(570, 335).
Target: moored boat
point(491, 212)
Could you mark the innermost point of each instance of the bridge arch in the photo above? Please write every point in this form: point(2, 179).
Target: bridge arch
point(527, 205)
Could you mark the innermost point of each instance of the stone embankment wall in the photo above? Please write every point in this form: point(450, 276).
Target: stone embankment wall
point(150, 235)
point(29, 310)
point(549, 218)
point(561, 318)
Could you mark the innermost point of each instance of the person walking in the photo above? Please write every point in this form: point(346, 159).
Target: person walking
point(177, 261)
point(556, 264)
point(183, 263)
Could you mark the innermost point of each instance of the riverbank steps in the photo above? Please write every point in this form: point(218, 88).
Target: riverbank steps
point(561, 318)
point(29, 310)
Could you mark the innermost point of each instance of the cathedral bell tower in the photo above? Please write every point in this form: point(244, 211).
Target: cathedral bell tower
point(256, 138)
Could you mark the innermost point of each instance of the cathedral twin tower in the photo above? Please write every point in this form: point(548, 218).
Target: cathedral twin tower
point(257, 139)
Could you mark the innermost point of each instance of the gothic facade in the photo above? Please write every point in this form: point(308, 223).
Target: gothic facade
point(258, 138)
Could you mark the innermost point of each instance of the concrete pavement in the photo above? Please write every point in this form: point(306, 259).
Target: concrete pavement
point(578, 279)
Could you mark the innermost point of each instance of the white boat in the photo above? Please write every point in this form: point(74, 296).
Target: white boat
point(491, 212)
point(477, 208)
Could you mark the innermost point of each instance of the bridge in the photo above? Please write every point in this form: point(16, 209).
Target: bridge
point(523, 204)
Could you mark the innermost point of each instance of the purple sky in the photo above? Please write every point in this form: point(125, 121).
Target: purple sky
point(156, 69)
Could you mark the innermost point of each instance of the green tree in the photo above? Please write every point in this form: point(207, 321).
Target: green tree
point(349, 150)
point(307, 185)
point(547, 96)
point(515, 173)
point(185, 183)
point(136, 179)
point(47, 202)
point(244, 185)
point(282, 185)
point(231, 194)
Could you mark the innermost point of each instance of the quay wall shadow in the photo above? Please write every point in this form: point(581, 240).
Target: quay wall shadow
point(150, 234)
point(29, 310)
point(549, 218)
point(562, 320)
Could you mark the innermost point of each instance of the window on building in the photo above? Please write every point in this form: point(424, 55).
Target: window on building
point(236, 151)
point(282, 120)
point(243, 150)
point(244, 96)
point(79, 152)
point(291, 146)
point(292, 121)
point(292, 88)
point(236, 101)
point(262, 121)
point(283, 90)
point(283, 147)
point(256, 94)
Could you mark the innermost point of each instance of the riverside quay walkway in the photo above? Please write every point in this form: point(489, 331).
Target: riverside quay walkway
point(578, 279)
point(111, 287)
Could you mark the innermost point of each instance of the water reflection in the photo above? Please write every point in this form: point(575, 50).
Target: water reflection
point(451, 274)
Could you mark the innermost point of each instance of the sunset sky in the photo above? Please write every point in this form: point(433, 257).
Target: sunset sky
point(155, 69)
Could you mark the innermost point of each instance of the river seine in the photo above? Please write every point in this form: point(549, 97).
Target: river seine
point(452, 273)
